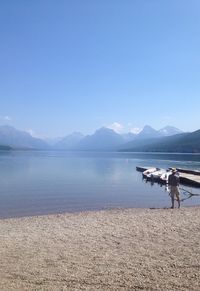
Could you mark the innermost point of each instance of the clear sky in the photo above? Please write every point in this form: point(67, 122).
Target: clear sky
point(77, 65)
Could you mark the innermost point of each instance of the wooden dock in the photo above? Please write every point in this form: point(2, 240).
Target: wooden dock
point(190, 179)
point(187, 171)
point(187, 177)
point(142, 169)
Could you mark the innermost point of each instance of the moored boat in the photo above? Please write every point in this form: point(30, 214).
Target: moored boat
point(149, 171)
point(165, 176)
point(157, 174)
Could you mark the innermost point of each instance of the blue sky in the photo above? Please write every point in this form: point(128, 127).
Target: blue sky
point(78, 65)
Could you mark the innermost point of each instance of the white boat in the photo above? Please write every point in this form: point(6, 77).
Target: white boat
point(157, 174)
point(165, 176)
point(149, 172)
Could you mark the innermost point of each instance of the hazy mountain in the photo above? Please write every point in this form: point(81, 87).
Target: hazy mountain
point(149, 135)
point(69, 142)
point(107, 139)
point(182, 143)
point(103, 139)
point(139, 144)
point(10, 136)
point(149, 139)
point(129, 136)
point(169, 130)
point(5, 148)
point(148, 132)
point(53, 140)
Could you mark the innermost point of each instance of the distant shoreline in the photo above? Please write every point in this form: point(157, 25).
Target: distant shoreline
point(100, 151)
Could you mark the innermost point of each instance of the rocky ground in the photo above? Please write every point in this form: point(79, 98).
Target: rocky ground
point(131, 249)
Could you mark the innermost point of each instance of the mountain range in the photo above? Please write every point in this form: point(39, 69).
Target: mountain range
point(180, 143)
point(17, 139)
point(107, 139)
point(167, 139)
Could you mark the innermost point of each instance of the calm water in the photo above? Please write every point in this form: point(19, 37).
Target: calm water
point(40, 182)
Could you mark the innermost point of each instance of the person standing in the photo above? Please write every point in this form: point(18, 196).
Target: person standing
point(173, 182)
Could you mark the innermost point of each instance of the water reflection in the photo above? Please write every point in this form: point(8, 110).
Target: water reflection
point(186, 192)
point(37, 182)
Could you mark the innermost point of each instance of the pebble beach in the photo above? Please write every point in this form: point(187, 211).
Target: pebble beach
point(119, 249)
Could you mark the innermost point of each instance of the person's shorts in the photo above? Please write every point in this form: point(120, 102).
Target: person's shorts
point(175, 191)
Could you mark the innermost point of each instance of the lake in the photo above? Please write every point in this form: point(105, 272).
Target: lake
point(44, 182)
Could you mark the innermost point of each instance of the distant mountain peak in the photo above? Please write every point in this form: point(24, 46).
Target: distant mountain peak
point(148, 132)
point(105, 130)
point(19, 139)
point(70, 141)
point(170, 130)
point(8, 128)
point(147, 128)
point(103, 139)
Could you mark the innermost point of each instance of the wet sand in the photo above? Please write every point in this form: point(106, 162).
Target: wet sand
point(131, 249)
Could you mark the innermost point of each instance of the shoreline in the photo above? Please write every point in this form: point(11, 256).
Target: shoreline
point(112, 249)
point(77, 212)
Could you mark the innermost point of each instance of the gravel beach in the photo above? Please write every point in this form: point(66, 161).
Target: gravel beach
point(121, 249)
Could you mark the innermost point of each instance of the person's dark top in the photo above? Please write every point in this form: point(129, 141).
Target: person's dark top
point(173, 180)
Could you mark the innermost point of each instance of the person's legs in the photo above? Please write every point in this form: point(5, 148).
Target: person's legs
point(172, 197)
point(178, 197)
point(179, 203)
point(175, 193)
